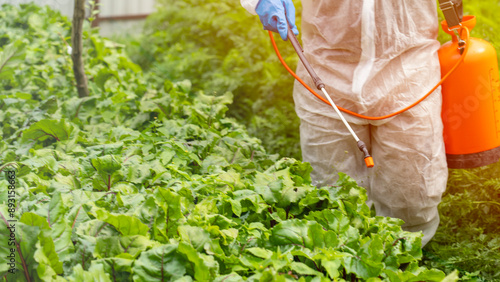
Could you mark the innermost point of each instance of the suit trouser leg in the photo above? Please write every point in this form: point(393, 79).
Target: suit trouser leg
point(410, 172)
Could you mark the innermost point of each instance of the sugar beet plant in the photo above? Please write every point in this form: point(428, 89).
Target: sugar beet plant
point(147, 180)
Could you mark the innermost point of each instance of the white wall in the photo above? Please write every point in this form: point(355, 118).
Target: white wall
point(126, 7)
point(113, 8)
point(107, 8)
point(65, 6)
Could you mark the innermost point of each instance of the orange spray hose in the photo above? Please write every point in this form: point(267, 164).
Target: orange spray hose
point(370, 117)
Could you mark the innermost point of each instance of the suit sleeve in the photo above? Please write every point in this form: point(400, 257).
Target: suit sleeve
point(250, 5)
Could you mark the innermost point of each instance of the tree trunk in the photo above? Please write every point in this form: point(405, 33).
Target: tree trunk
point(77, 49)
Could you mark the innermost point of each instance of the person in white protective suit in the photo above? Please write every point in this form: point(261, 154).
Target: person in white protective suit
point(375, 57)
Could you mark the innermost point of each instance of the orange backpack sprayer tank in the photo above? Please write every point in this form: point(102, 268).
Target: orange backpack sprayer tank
point(471, 101)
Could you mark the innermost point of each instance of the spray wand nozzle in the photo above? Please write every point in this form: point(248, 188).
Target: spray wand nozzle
point(321, 86)
point(368, 159)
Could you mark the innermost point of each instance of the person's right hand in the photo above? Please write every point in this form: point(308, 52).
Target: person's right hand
point(274, 15)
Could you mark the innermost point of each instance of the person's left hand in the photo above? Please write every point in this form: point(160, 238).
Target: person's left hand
point(274, 15)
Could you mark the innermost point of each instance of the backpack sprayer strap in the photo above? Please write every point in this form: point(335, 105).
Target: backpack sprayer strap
point(453, 14)
point(452, 11)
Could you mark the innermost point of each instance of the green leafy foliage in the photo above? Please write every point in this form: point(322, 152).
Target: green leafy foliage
point(192, 39)
point(468, 238)
point(148, 180)
point(220, 47)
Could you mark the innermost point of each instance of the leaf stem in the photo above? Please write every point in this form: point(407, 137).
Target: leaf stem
point(394, 244)
point(7, 60)
point(79, 106)
point(234, 156)
point(486, 202)
point(83, 260)
point(113, 271)
point(100, 229)
point(244, 246)
point(109, 182)
point(162, 274)
point(12, 164)
point(76, 216)
point(48, 218)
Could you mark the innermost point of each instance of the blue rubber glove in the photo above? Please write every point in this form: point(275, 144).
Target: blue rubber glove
point(272, 16)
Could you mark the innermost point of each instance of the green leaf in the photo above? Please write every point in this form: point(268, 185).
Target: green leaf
point(121, 246)
point(32, 219)
point(95, 273)
point(106, 165)
point(269, 187)
point(57, 210)
point(293, 231)
point(117, 267)
point(303, 269)
point(204, 266)
point(49, 265)
point(452, 277)
point(184, 85)
point(27, 236)
point(59, 130)
point(232, 178)
point(323, 238)
point(259, 252)
point(9, 56)
point(170, 216)
point(172, 202)
point(333, 219)
point(160, 264)
point(50, 105)
point(231, 277)
point(195, 236)
point(362, 268)
point(213, 163)
point(278, 188)
point(371, 248)
point(307, 234)
point(250, 200)
point(42, 163)
point(103, 75)
point(332, 267)
point(61, 235)
point(126, 225)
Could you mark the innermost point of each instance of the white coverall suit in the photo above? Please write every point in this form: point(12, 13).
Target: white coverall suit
point(375, 57)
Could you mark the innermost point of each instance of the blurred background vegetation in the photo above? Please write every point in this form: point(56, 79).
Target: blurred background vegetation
point(220, 47)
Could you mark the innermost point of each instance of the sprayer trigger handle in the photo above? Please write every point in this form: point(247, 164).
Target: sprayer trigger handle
point(300, 52)
point(292, 37)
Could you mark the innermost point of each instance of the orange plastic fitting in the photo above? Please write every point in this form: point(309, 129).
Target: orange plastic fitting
point(369, 162)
